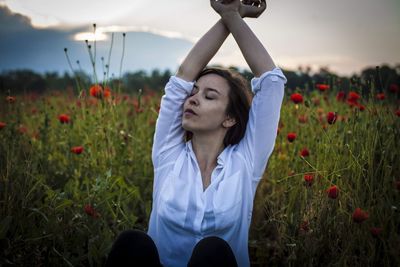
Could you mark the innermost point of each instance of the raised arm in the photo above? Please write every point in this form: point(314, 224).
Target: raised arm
point(268, 87)
point(202, 52)
point(208, 45)
point(252, 49)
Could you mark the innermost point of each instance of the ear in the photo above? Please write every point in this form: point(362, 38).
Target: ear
point(229, 122)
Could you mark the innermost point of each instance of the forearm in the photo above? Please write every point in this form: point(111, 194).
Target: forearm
point(252, 49)
point(202, 52)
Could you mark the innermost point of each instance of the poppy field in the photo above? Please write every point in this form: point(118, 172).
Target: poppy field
point(75, 170)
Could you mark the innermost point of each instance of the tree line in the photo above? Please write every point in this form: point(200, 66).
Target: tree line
point(25, 81)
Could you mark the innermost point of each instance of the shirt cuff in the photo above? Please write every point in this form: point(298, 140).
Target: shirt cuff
point(181, 84)
point(274, 74)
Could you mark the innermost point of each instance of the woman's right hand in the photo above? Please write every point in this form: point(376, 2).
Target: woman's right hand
point(252, 8)
point(224, 7)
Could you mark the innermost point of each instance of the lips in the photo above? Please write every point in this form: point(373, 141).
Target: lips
point(190, 111)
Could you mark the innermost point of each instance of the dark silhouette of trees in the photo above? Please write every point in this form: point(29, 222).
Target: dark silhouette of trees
point(25, 81)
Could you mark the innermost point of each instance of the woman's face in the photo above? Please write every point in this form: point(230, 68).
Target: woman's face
point(205, 109)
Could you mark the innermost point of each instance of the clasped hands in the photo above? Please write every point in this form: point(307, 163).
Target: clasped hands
point(245, 8)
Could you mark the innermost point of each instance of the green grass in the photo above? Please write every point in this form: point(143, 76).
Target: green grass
point(44, 187)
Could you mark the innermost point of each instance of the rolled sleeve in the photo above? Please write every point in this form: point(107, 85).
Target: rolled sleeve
point(180, 87)
point(274, 75)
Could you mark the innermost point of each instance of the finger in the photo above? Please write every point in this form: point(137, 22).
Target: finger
point(247, 2)
point(263, 4)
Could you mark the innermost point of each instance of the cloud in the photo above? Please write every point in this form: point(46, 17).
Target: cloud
point(25, 47)
point(11, 22)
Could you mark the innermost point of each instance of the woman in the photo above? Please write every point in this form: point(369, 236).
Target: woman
point(204, 186)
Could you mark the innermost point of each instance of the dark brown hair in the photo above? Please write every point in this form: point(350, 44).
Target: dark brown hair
point(238, 103)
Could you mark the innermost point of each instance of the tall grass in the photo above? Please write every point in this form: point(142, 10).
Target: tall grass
point(60, 208)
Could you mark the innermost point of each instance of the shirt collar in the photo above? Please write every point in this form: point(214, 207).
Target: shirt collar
point(221, 159)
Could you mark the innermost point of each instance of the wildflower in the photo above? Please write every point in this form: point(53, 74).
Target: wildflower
point(380, 96)
point(353, 96)
point(340, 96)
point(375, 231)
point(304, 152)
point(333, 192)
point(316, 101)
point(22, 129)
point(282, 156)
point(107, 92)
point(302, 118)
point(304, 226)
point(2, 125)
point(96, 91)
point(77, 150)
point(308, 179)
point(397, 112)
point(10, 99)
point(296, 98)
point(64, 118)
point(89, 210)
point(361, 107)
point(359, 215)
point(138, 110)
point(331, 117)
point(291, 137)
point(394, 88)
point(322, 87)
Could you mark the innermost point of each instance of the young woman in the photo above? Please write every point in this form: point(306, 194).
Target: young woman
point(210, 151)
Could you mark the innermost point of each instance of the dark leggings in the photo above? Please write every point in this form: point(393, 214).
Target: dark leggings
point(136, 248)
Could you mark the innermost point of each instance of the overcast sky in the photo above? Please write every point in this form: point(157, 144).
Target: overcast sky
point(344, 35)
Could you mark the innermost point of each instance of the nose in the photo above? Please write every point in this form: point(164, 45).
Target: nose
point(193, 100)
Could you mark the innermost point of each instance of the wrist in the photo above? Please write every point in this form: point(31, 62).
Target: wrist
point(229, 16)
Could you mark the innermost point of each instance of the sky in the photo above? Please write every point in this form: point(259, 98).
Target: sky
point(343, 35)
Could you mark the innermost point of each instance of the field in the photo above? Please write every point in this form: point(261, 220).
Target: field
point(76, 171)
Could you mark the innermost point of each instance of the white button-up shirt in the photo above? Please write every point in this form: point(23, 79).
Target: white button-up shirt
point(182, 213)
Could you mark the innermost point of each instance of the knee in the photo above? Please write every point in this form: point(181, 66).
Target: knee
point(212, 251)
point(214, 242)
point(132, 238)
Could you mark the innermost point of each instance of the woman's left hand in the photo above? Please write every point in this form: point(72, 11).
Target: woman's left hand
point(252, 8)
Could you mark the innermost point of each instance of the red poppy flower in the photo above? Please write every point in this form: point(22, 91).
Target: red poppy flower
point(331, 117)
point(397, 112)
point(10, 99)
point(333, 192)
point(77, 150)
point(22, 129)
point(291, 137)
point(89, 210)
point(296, 98)
point(380, 96)
point(2, 125)
point(375, 231)
point(64, 118)
point(361, 107)
point(304, 152)
point(304, 226)
point(322, 87)
point(353, 97)
point(303, 119)
point(394, 88)
point(107, 92)
point(96, 91)
point(340, 96)
point(359, 215)
point(308, 179)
